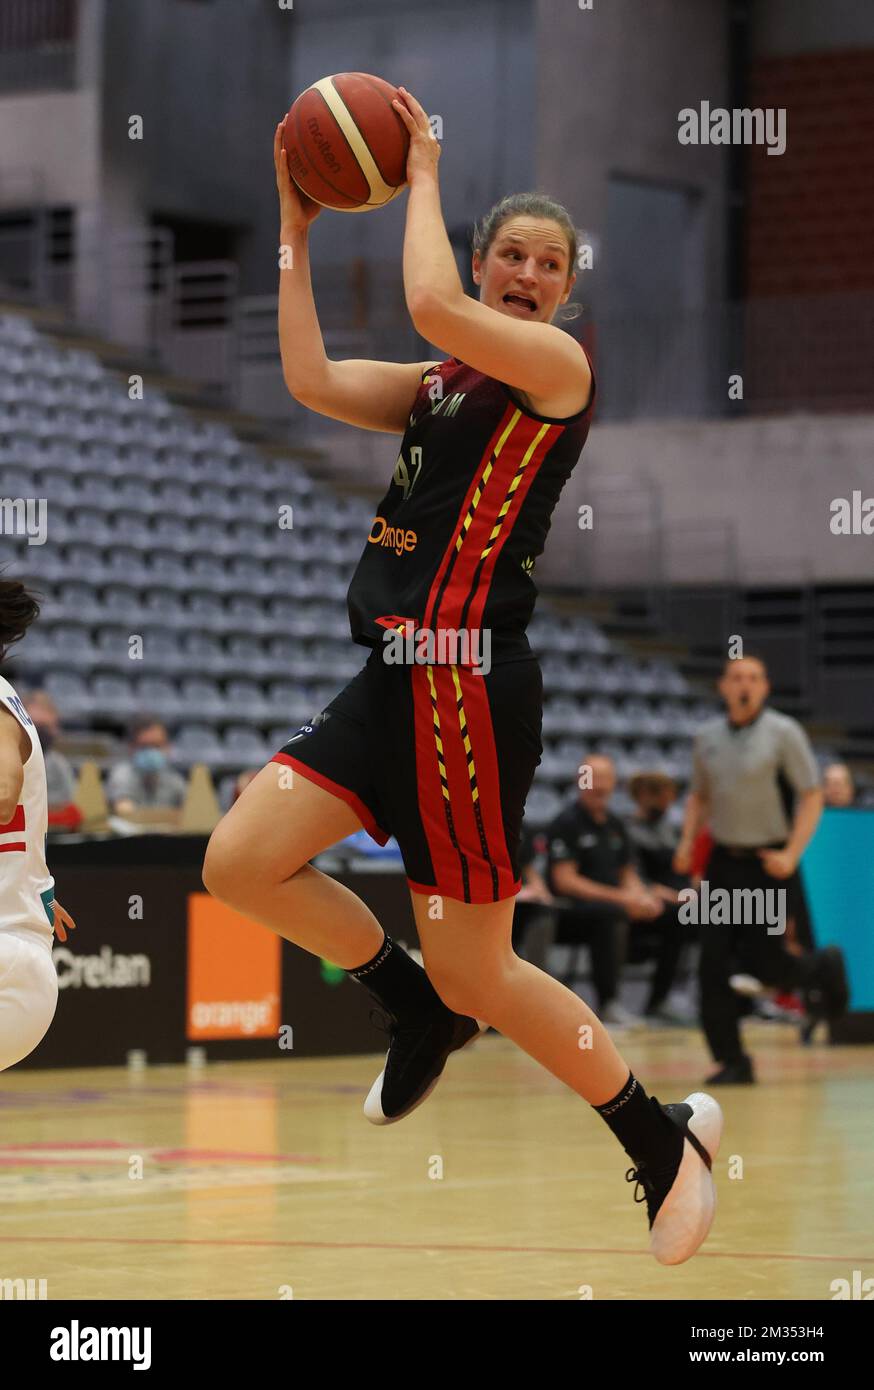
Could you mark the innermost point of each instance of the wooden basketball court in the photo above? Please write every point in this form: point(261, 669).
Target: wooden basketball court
point(263, 1180)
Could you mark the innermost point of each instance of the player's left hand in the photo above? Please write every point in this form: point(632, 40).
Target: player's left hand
point(779, 863)
point(424, 149)
point(62, 920)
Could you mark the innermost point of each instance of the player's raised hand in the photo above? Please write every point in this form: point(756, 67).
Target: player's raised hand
point(424, 151)
point(296, 210)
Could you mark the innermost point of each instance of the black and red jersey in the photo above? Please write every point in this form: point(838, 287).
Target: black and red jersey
point(467, 513)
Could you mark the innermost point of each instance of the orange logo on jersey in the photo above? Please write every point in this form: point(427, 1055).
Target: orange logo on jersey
point(394, 537)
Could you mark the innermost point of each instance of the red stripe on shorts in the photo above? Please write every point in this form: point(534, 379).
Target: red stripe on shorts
point(465, 835)
point(354, 802)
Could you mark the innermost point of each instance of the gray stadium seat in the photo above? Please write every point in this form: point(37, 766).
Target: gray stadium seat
point(204, 652)
point(203, 697)
point(197, 743)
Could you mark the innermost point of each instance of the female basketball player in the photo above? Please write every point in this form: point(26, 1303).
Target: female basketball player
point(28, 909)
point(442, 755)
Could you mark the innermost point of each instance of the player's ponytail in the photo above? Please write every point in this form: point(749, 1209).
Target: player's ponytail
point(18, 609)
point(529, 205)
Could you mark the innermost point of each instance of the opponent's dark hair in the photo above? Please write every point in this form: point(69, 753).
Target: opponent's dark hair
point(529, 205)
point(18, 609)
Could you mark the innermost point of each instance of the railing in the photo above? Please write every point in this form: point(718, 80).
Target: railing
point(119, 285)
point(202, 339)
point(38, 44)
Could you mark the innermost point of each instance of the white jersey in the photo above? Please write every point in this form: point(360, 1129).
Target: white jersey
point(27, 888)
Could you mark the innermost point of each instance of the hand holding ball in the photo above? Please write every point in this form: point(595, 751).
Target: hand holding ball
point(346, 145)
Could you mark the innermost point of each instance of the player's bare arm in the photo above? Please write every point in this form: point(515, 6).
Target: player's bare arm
point(14, 752)
point(370, 394)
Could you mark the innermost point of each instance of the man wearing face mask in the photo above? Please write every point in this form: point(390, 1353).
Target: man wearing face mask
point(750, 764)
point(147, 781)
point(63, 812)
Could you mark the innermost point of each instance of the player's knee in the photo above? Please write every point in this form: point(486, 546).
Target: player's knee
point(457, 992)
point(222, 871)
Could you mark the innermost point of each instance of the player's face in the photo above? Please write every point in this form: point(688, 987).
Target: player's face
point(744, 688)
point(526, 272)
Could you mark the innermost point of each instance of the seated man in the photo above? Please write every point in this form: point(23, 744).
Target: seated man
point(146, 782)
point(654, 838)
point(590, 860)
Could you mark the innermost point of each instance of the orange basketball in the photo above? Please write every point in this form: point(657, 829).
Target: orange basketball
point(346, 145)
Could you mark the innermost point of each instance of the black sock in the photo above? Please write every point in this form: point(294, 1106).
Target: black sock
point(646, 1134)
point(397, 983)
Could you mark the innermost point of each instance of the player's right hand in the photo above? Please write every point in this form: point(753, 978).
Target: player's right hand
point(296, 210)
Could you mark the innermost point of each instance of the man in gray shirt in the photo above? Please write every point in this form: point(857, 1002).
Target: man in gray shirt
point(147, 781)
point(748, 765)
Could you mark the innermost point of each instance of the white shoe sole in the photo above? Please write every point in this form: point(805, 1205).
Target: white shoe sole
point(373, 1104)
point(747, 985)
point(686, 1215)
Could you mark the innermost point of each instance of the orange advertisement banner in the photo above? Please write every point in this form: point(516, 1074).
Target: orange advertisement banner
point(234, 968)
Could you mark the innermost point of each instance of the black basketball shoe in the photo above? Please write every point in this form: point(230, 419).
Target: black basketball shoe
point(681, 1198)
point(736, 1073)
point(416, 1057)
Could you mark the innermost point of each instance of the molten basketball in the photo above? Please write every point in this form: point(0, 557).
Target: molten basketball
point(347, 147)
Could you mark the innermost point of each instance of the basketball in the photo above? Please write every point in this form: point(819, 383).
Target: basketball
point(346, 146)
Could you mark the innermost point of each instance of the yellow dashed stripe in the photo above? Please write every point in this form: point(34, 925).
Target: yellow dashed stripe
point(502, 514)
point(486, 474)
point(465, 737)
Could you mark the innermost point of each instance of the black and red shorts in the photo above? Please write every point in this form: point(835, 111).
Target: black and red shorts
point(439, 757)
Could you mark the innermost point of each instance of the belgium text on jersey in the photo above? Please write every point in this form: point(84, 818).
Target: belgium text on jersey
point(75, 1343)
point(447, 647)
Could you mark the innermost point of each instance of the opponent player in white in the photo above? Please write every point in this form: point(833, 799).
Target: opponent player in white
point(29, 913)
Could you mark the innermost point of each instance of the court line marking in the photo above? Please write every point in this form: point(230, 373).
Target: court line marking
point(412, 1247)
